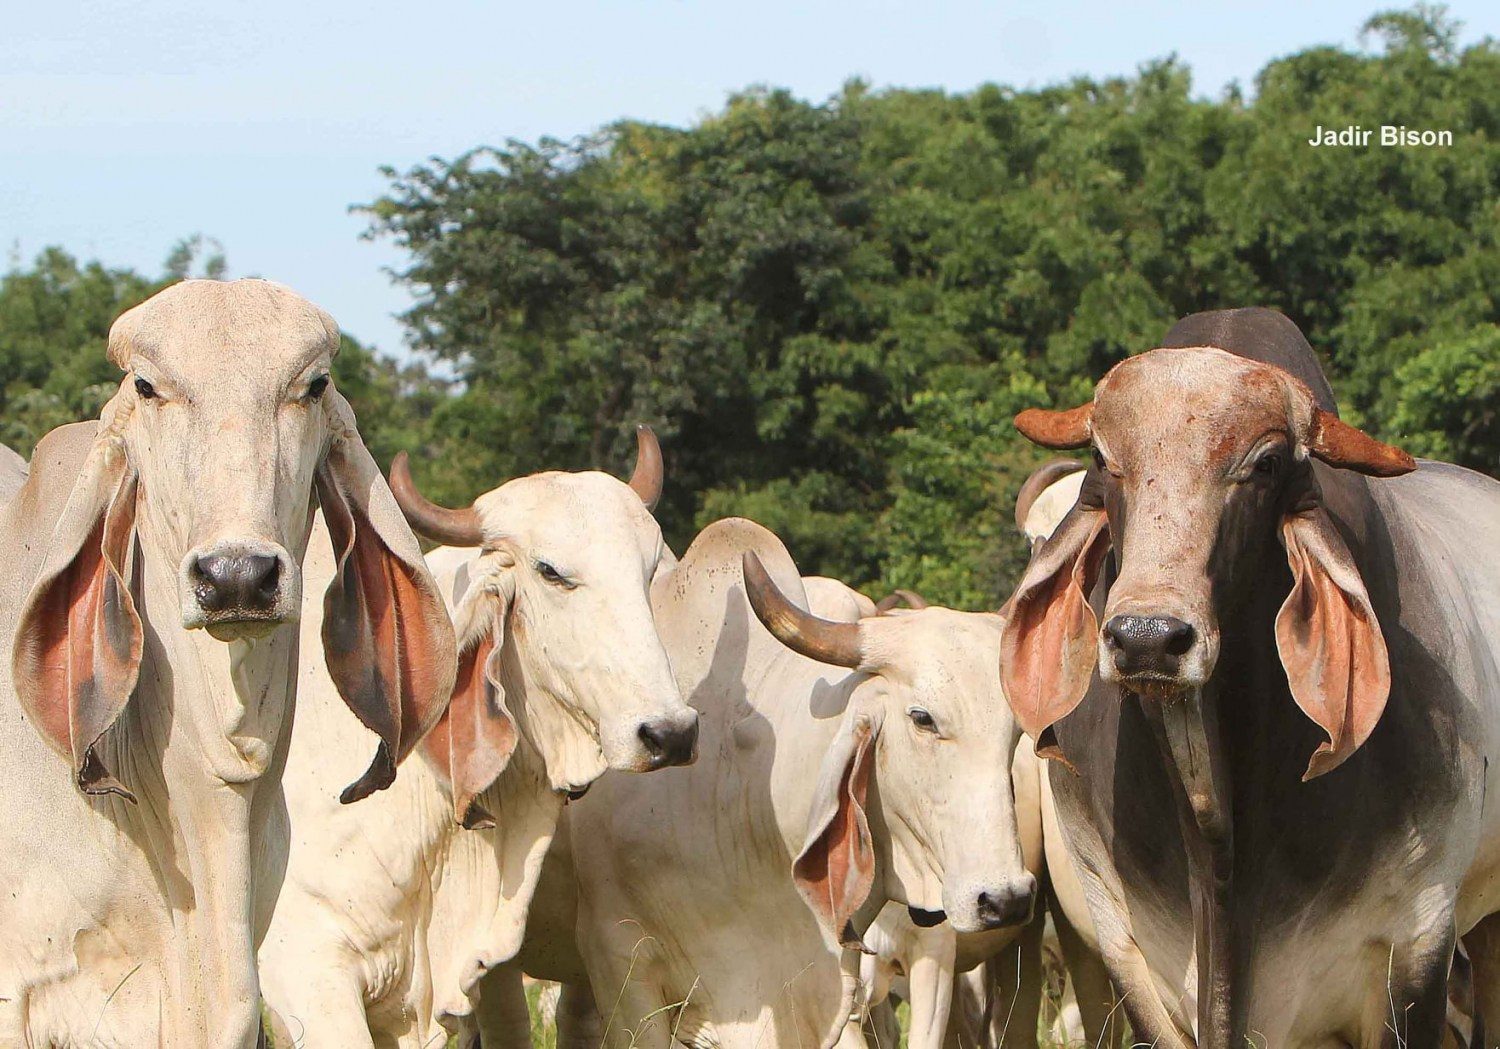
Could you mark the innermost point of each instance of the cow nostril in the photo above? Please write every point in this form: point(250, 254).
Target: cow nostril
point(264, 573)
point(1180, 637)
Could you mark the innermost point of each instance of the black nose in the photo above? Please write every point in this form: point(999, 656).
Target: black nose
point(239, 583)
point(669, 743)
point(1148, 643)
point(1012, 905)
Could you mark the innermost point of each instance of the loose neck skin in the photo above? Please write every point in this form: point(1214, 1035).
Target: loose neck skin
point(202, 744)
point(1197, 737)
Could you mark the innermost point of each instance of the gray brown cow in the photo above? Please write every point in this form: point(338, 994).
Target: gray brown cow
point(1278, 682)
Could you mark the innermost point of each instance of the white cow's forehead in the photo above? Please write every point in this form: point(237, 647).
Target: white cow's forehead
point(937, 642)
point(203, 327)
point(587, 514)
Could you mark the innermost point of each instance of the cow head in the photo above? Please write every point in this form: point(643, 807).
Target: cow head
point(928, 731)
point(207, 460)
point(1201, 480)
point(565, 569)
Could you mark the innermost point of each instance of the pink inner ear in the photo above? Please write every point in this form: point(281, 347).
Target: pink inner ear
point(1049, 645)
point(82, 639)
point(1330, 641)
point(383, 633)
point(835, 873)
point(473, 741)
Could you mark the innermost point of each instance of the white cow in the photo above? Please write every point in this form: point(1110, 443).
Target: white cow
point(845, 764)
point(985, 988)
point(151, 562)
point(392, 913)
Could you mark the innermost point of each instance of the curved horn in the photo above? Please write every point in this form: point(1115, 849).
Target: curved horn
point(1339, 444)
point(1056, 430)
point(914, 601)
point(1042, 478)
point(800, 631)
point(438, 523)
point(649, 474)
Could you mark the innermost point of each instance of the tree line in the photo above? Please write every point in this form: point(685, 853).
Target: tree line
point(830, 311)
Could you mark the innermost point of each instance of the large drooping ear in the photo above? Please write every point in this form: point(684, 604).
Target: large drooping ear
point(78, 643)
point(836, 868)
point(1329, 639)
point(1339, 444)
point(387, 639)
point(1057, 430)
point(473, 741)
point(1049, 644)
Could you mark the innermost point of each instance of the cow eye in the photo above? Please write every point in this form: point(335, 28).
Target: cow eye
point(922, 719)
point(145, 389)
point(553, 576)
point(1099, 458)
point(316, 387)
point(1269, 465)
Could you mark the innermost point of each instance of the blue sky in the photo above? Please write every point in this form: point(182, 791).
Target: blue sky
point(126, 126)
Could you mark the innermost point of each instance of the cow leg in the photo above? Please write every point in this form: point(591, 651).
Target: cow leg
point(1098, 1005)
point(1410, 1010)
point(579, 1025)
point(327, 1010)
point(881, 1029)
point(930, 986)
point(1015, 989)
point(970, 1006)
point(501, 1016)
point(1483, 944)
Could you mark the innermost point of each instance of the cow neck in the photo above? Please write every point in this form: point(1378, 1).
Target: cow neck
point(1214, 744)
point(482, 889)
point(207, 719)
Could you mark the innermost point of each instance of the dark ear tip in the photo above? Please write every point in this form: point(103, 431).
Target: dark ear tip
point(380, 775)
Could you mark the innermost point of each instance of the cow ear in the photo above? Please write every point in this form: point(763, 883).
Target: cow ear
point(836, 868)
point(1049, 643)
point(474, 739)
point(78, 644)
point(1329, 639)
point(387, 638)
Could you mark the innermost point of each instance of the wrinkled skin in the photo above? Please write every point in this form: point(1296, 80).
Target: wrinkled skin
point(140, 884)
point(1258, 864)
point(685, 879)
point(384, 939)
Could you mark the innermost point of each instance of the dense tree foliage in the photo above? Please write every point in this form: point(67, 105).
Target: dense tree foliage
point(831, 311)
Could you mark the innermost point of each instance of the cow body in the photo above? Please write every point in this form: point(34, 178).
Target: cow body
point(689, 917)
point(394, 911)
point(112, 906)
point(390, 908)
point(1272, 584)
point(1348, 885)
point(143, 605)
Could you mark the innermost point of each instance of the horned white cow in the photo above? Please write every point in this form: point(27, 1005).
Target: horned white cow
point(391, 914)
point(985, 988)
point(150, 562)
point(716, 904)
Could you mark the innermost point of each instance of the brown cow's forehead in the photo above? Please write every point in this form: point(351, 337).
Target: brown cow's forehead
point(1201, 404)
point(210, 329)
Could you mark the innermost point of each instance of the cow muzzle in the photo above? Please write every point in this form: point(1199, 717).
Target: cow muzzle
point(239, 589)
point(1152, 652)
point(1000, 906)
point(669, 740)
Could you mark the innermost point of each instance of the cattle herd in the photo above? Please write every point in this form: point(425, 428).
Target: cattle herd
point(266, 771)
